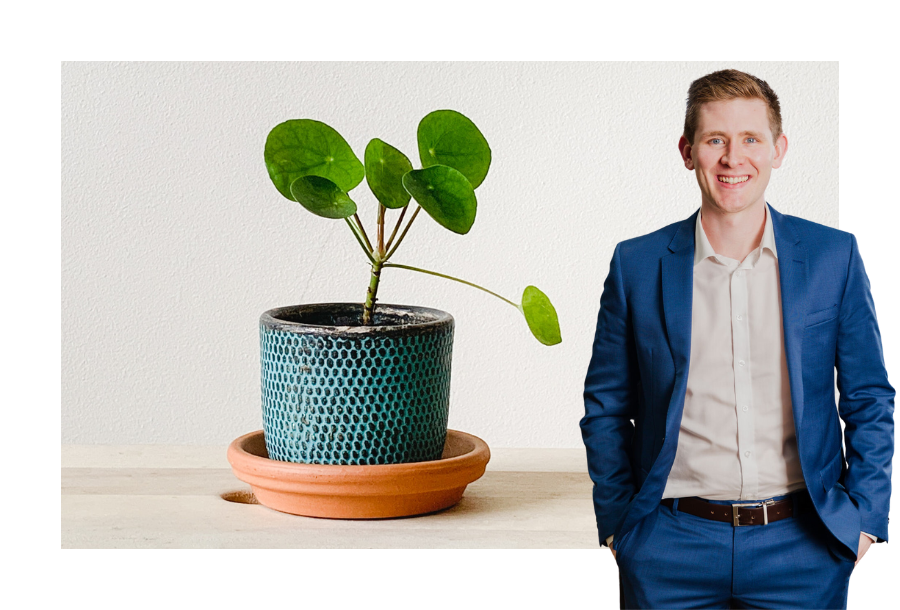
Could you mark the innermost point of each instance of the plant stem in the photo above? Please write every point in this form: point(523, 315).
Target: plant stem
point(377, 262)
point(381, 210)
point(402, 235)
point(455, 279)
point(359, 239)
point(397, 226)
point(363, 230)
point(368, 309)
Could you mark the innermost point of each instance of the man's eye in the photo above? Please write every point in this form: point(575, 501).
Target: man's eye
point(752, 140)
point(716, 141)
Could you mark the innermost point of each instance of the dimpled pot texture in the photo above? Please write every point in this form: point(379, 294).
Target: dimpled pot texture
point(360, 492)
point(337, 392)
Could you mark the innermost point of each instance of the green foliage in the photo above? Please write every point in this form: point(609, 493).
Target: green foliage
point(445, 194)
point(322, 197)
point(541, 316)
point(303, 147)
point(311, 163)
point(446, 137)
point(385, 167)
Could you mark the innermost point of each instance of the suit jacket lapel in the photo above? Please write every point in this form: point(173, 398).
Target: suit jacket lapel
point(677, 293)
point(792, 271)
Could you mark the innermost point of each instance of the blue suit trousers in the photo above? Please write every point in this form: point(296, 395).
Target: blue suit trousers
point(671, 559)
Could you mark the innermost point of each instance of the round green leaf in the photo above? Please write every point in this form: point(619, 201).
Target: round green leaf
point(445, 194)
point(303, 147)
point(322, 197)
point(446, 137)
point(385, 166)
point(541, 316)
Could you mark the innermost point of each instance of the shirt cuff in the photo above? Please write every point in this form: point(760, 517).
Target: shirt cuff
point(609, 541)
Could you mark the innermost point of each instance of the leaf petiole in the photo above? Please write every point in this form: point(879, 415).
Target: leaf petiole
point(359, 239)
point(397, 226)
point(402, 235)
point(363, 231)
point(450, 277)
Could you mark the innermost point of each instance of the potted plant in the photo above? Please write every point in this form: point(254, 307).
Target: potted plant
point(368, 383)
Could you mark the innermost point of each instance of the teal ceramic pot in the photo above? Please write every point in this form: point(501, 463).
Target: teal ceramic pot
point(337, 392)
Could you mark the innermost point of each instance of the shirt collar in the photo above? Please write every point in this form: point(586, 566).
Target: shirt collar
point(703, 249)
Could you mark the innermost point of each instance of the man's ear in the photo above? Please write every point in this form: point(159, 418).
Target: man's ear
point(684, 147)
point(781, 146)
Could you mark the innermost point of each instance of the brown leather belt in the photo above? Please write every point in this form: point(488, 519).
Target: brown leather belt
point(742, 513)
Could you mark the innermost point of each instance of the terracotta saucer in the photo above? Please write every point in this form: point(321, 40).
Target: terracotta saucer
point(360, 492)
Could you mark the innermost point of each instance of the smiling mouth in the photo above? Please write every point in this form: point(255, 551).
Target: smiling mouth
point(733, 179)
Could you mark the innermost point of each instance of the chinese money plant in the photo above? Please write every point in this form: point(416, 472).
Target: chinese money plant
point(310, 163)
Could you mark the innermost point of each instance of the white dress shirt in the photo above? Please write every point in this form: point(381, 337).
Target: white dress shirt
point(737, 439)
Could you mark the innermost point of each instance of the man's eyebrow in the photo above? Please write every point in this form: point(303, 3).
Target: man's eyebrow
point(710, 134)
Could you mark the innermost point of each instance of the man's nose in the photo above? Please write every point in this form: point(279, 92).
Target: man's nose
point(733, 155)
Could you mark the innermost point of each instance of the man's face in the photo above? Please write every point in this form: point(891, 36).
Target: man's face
point(733, 153)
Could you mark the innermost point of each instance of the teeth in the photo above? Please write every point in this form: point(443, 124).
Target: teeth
point(730, 180)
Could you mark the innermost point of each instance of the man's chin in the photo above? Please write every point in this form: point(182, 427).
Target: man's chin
point(735, 206)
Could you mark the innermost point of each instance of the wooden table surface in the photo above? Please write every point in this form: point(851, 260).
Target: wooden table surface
point(163, 496)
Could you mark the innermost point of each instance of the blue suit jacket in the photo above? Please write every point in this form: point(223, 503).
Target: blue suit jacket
point(635, 385)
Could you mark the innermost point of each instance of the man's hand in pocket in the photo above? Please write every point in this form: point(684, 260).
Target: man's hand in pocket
point(864, 543)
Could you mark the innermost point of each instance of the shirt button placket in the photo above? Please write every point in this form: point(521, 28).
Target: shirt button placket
point(742, 388)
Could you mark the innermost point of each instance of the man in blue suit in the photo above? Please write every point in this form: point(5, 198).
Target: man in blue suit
point(711, 429)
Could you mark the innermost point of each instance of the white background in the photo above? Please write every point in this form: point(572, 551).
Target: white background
point(174, 240)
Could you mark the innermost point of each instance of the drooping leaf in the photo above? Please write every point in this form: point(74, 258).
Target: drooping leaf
point(446, 137)
point(541, 316)
point(322, 197)
point(304, 147)
point(445, 194)
point(385, 166)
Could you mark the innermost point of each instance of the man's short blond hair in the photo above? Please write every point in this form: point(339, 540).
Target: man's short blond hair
point(728, 85)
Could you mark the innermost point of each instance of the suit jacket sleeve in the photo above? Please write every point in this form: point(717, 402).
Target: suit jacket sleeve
point(610, 391)
point(866, 401)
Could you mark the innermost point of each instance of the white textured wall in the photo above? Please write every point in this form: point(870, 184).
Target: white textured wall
point(174, 240)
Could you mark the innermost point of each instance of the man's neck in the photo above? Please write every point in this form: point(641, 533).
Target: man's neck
point(734, 235)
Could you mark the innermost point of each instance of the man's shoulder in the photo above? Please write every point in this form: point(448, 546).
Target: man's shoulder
point(817, 237)
point(650, 245)
point(814, 236)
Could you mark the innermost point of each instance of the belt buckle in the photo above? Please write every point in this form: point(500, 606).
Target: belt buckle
point(765, 506)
